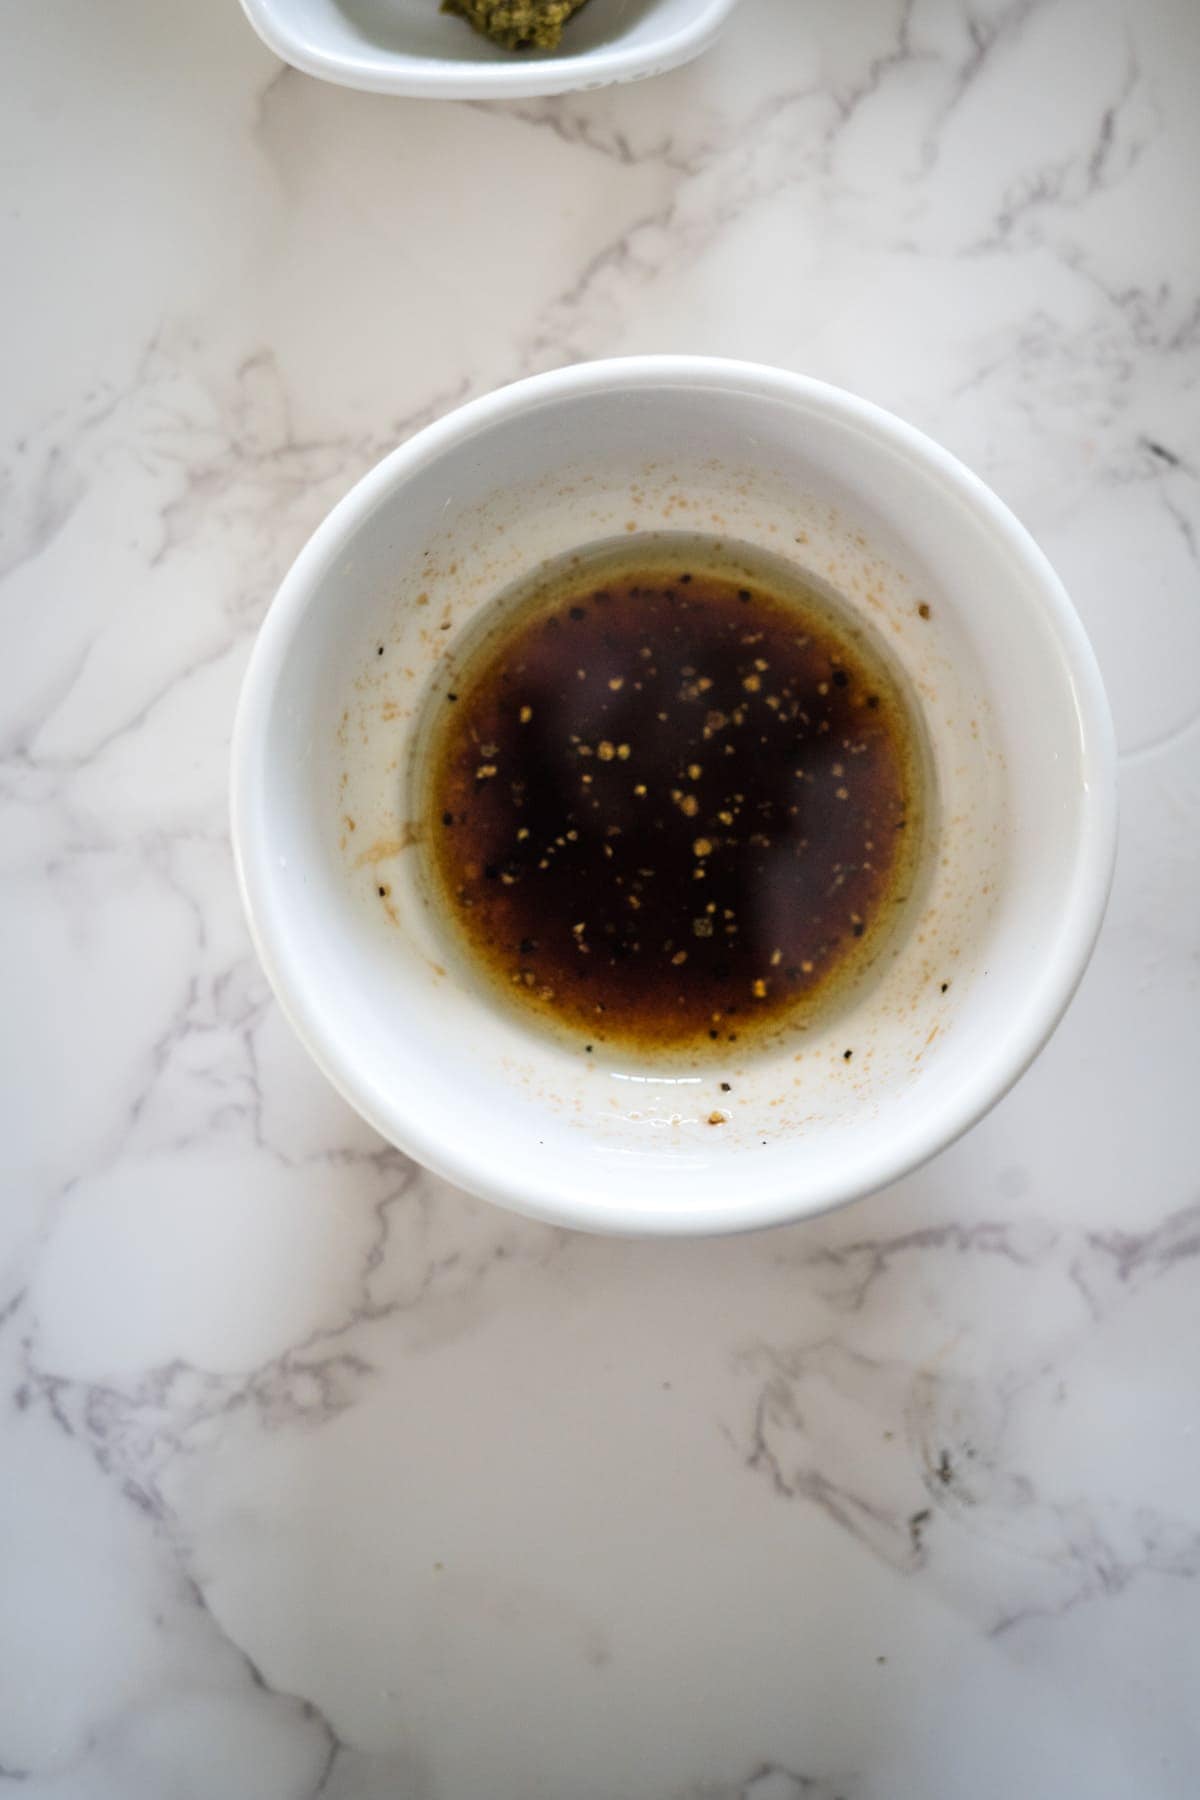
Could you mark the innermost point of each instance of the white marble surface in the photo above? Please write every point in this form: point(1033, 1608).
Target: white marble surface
point(319, 1478)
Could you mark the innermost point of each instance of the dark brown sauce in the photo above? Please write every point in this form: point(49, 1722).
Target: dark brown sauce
point(675, 798)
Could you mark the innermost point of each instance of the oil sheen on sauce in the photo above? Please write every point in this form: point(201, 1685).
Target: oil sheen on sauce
point(675, 798)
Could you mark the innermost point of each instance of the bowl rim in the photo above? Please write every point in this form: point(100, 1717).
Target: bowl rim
point(433, 78)
point(466, 1162)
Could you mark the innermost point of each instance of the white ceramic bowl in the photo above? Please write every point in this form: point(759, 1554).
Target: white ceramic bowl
point(410, 47)
point(324, 805)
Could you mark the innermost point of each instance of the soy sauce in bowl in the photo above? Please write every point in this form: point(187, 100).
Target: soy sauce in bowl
point(676, 798)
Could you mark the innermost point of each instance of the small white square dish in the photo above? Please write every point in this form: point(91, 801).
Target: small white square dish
point(411, 47)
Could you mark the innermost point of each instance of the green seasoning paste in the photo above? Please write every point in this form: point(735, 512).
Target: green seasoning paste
point(517, 24)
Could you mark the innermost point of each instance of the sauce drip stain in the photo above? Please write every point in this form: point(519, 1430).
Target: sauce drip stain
point(676, 801)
